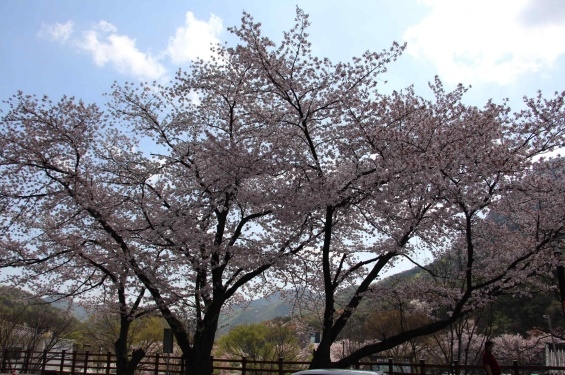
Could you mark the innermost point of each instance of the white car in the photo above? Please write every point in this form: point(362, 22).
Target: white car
point(337, 371)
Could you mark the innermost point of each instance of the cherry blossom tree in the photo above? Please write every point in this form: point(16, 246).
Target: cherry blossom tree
point(459, 342)
point(270, 164)
point(48, 225)
point(389, 176)
point(529, 349)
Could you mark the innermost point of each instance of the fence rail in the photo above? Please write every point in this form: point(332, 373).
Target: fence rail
point(83, 363)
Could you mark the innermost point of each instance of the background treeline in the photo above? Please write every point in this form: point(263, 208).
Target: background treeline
point(521, 325)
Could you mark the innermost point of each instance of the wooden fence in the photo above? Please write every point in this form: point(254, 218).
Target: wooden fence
point(83, 363)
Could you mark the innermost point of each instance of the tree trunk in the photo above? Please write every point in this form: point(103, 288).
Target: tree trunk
point(198, 358)
point(321, 358)
point(198, 363)
point(124, 365)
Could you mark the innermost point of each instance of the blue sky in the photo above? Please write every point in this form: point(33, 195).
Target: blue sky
point(503, 48)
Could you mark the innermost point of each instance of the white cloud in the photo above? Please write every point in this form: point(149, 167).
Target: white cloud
point(58, 32)
point(105, 45)
point(194, 39)
point(484, 40)
point(106, 27)
point(543, 12)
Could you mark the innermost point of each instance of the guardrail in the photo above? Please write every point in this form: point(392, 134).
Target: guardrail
point(83, 363)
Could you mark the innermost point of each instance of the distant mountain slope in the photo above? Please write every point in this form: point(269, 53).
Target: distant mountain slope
point(259, 310)
point(10, 296)
point(78, 311)
point(275, 306)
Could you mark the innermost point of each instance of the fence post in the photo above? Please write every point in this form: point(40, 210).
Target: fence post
point(4, 359)
point(515, 367)
point(62, 364)
point(85, 368)
point(25, 365)
point(281, 365)
point(156, 369)
point(182, 360)
point(74, 362)
point(108, 360)
point(422, 366)
point(390, 367)
point(456, 367)
point(211, 364)
point(43, 361)
point(243, 365)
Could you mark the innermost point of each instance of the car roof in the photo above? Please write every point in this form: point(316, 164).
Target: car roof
point(334, 371)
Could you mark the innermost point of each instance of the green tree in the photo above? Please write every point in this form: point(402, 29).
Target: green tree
point(102, 329)
point(260, 342)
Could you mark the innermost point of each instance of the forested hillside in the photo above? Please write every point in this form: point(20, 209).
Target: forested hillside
point(28, 322)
